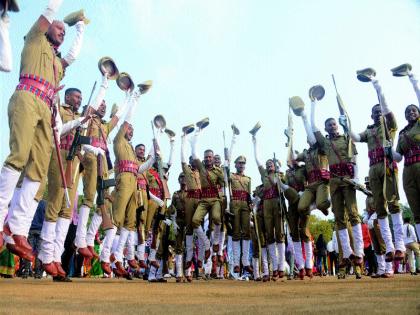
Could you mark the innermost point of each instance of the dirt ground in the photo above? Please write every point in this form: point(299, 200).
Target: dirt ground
point(400, 295)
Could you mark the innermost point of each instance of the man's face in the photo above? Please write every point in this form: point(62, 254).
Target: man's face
point(269, 165)
point(140, 151)
point(208, 159)
point(181, 180)
point(102, 109)
point(240, 167)
point(217, 160)
point(412, 113)
point(129, 132)
point(331, 127)
point(376, 113)
point(56, 32)
point(74, 99)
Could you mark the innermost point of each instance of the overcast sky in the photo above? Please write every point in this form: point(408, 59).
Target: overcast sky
point(238, 61)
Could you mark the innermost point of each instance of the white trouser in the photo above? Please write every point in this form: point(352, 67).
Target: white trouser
point(8, 180)
point(236, 249)
point(95, 223)
point(386, 234)
point(46, 252)
point(345, 243)
point(256, 267)
point(221, 243)
point(22, 214)
point(273, 255)
point(245, 252)
point(309, 263)
point(80, 240)
point(61, 230)
point(189, 247)
point(297, 246)
point(107, 244)
point(202, 236)
point(216, 234)
point(131, 245)
point(140, 251)
point(397, 225)
point(178, 265)
point(264, 261)
point(281, 249)
point(358, 240)
point(121, 244)
point(381, 264)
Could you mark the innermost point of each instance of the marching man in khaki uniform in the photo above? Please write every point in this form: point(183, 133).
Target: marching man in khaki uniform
point(211, 179)
point(342, 163)
point(58, 214)
point(379, 171)
point(193, 185)
point(29, 113)
point(240, 185)
point(409, 146)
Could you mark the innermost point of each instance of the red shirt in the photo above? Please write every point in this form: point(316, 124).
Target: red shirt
point(366, 237)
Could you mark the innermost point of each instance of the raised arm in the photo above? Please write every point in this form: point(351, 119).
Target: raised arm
point(415, 84)
point(76, 45)
point(308, 129)
point(149, 162)
point(171, 150)
point(382, 101)
point(257, 160)
point(49, 14)
point(194, 141)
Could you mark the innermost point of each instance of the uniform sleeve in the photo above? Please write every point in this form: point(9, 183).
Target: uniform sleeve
point(262, 170)
point(320, 139)
point(363, 136)
point(391, 122)
point(249, 185)
point(353, 147)
point(34, 33)
point(120, 135)
point(185, 169)
point(399, 147)
point(199, 165)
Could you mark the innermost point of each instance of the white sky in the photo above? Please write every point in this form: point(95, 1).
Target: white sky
point(238, 61)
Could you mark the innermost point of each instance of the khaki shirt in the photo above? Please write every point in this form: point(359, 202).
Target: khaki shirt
point(314, 159)
point(336, 148)
point(178, 203)
point(99, 128)
point(210, 177)
point(192, 177)
point(373, 133)
point(296, 177)
point(240, 182)
point(67, 114)
point(268, 179)
point(142, 176)
point(408, 135)
point(123, 149)
point(39, 58)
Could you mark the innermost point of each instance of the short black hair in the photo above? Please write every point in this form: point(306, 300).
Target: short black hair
point(327, 120)
point(140, 145)
point(71, 90)
point(412, 105)
point(208, 150)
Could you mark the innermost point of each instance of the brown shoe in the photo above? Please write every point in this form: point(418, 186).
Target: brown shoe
point(106, 267)
point(93, 253)
point(266, 278)
point(236, 269)
point(206, 254)
point(389, 257)
point(142, 264)
point(189, 278)
point(50, 269)
point(302, 274)
point(112, 258)
point(155, 264)
point(275, 275)
point(178, 279)
point(375, 276)
point(120, 269)
point(220, 259)
point(258, 279)
point(399, 255)
point(60, 270)
point(309, 272)
point(21, 247)
point(216, 248)
point(162, 280)
point(249, 269)
point(133, 264)
point(281, 274)
point(85, 252)
point(199, 264)
point(345, 262)
point(386, 275)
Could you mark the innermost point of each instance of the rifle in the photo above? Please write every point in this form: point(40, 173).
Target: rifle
point(78, 140)
point(57, 150)
point(101, 186)
point(343, 112)
point(357, 186)
point(280, 199)
point(226, 177)
point(289, 134)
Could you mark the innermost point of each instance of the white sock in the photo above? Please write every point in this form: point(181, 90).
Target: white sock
point(140, 251)
point(152, 254)
point(397, 224)
point(264, 261)
point(80, 240)
point(386, 234)
point(273, 255)
point(297, 246)
point(236, 249)
point(189, 247)
point(152, 273)
point(130, 245)
point(8, 180)
point(216, 234)
point(178, 265)
point(46, 253)
point(61, 230)
point(281, 249)
point(121, 244)
point(95, 223)
point(256, 267)
point(345, 243)
point(381, 264)
point(358, 240)
point(308, 255)
point(389, 268)
point(245, 252)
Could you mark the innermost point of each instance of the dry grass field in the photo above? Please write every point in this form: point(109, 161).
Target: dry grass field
point(400, 295)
